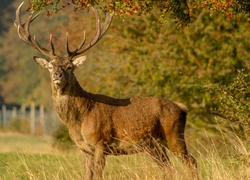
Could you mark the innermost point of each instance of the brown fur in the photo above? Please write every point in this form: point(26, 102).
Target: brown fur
point(101, 125)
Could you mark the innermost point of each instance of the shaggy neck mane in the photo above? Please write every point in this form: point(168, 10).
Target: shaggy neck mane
point(71, 102)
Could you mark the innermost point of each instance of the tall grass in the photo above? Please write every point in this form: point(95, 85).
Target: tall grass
point(221, 158)
point(227, 157)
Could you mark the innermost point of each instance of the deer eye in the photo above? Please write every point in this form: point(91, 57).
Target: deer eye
point(69, 67)
point(50, 67)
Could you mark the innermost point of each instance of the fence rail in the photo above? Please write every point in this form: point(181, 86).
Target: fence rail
point(38, 119)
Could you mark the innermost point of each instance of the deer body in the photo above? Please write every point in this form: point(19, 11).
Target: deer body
point(116, 123)
point(101, 125)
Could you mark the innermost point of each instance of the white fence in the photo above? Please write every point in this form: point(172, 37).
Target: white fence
point(38, 119)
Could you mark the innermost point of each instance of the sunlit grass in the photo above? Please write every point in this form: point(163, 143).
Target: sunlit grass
point(39, 166)
point(218, 159)
point(15, 142)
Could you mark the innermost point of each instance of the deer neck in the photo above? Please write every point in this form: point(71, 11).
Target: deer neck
point(70, 102)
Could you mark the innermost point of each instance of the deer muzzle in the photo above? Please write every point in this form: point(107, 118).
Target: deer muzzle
point(58, 78)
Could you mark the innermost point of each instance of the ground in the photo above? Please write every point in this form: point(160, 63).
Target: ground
point(34, 157)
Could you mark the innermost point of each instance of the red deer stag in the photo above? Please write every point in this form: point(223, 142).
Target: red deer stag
point(102, 125)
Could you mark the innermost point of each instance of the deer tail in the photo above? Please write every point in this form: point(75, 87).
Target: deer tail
point(182, 106)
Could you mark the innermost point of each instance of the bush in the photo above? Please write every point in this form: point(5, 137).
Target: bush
point(232, 103)
point(20, 125)
point(62, 139)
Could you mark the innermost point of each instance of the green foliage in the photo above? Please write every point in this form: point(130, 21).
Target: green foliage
point(5, 7)
point(175, 64)
point(19, 125)
point(180, 10)
point(230, 8)
point(137, 58)
point(62, 139)
point(123, 8)
point(232, 102)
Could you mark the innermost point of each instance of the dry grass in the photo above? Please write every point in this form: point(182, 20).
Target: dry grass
point(27, 157)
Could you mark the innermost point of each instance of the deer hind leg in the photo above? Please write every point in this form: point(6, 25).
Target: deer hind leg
point(173, 127)
point(173, 135)
point(176, 144)
point(179, 149)
point(158, 153)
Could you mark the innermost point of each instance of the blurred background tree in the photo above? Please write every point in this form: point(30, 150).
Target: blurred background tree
point(204, 65)
point(177, 9)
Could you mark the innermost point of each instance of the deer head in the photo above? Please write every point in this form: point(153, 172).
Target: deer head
point(61, 68)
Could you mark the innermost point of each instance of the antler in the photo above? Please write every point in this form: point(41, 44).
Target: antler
point(24, 34)
point(101, 29)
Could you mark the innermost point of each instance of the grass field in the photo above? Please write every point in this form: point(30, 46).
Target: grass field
point(33, 157)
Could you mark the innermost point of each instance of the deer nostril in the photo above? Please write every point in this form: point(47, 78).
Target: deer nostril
point(58, 75)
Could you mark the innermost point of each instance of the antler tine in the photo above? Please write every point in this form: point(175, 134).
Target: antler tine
point(24, 34)
point(41, 49)
point(52, 45)
point(34, 17)
point(71, 54)
point(107, 21)
point(83, 41)
point(101, 29)
point(27, 24)
point(67, 44)
point(98, 28)
point(18, 16)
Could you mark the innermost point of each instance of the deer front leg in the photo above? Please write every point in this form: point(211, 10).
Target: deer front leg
point(99, 163)
point(88, 159)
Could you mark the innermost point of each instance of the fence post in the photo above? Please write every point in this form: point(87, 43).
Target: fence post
point(14, 113)
point(23, 111)
point(32, 118)
point(4, 112)
point(1, 119)
point(41, 114)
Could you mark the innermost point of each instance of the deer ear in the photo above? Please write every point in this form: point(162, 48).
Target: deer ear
point(79, 61)
point(41, 62)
